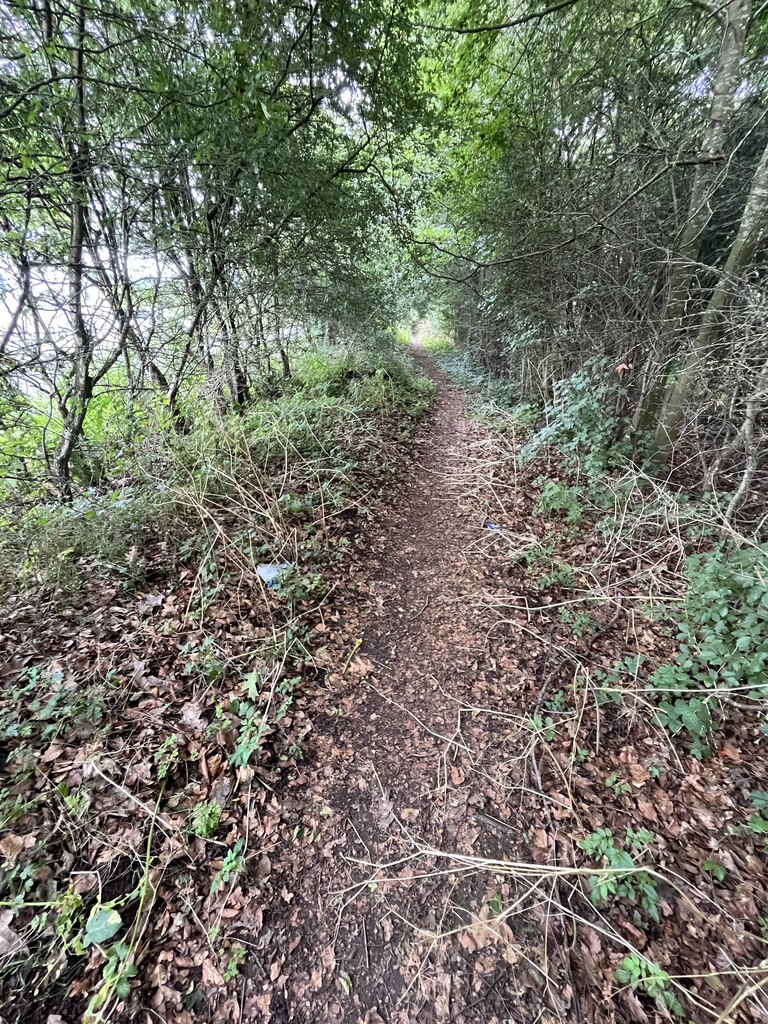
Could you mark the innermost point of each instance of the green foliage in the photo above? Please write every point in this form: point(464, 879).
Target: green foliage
point(541, 727)
point(435, 343)
point(258, 713)
point(99, 534)
point(205, 818)
point(558, 497)
point(331, 414)
point(637, 972)
point(103, 923)
point(608, 688)
point(168, 755)
point(496, 398)
point(715, 868)
point(525, 414)
point(618, 787)
point(636, 887)
point(42, 703)
point(116, 977)
point(557, 701)
point(24, 425)
point(560, 574)
point(758, 823)
point(232, 865)
point(723, 643)
point(383, 380)
point(580, 422)
point(235, 959)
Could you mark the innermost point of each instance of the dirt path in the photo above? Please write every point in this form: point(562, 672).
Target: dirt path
point(393, 764)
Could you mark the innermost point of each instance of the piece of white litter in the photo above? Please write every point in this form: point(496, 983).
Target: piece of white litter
point(271, 574)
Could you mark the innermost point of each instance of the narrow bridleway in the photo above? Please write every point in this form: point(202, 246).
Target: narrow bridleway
point(394, 765)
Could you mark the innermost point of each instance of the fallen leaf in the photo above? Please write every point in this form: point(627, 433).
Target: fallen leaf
point(360, 666)
point(211, 975)
point(10, 941)
point(383, 810)
point(11, 846)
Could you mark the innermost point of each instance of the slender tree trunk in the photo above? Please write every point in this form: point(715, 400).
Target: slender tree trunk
point(81, 384)
point(276, 307)
point(753, 223)
point(734, 22)
point(747, 436)
point(735, 16)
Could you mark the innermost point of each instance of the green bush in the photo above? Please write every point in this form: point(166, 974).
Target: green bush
point(436, 342)
point(580, 422)
point(466, 368)
point(325, 424)
point(53, 542)
point(558, 497)
point(323, 373)
point(723, 642)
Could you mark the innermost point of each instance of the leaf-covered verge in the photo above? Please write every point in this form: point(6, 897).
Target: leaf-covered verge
point(151, 714)
point(640, 621)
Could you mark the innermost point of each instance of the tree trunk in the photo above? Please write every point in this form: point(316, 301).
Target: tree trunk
point(735, 26)
point(753, 223)
point(736, 15)
point(81, 386)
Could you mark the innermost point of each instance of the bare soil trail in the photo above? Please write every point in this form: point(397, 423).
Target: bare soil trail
point(393, 763)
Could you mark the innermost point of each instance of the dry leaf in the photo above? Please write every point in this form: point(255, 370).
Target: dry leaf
point(360, 666)
point(328, 958)
point(383, 810)
point(10, 941)
point(211, 975)
point(11, 846)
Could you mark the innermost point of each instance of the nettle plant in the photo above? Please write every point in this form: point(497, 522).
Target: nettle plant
point(636, 886)
point(637, 972)
point(723, 635)
point(560, 498)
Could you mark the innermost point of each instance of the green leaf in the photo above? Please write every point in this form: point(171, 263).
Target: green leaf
point(103, 923)
point(346, 982)
point(714, 868)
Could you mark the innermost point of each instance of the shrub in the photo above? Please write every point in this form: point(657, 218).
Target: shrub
point(723, 635)
point(635, 886)
point(324, 425)
point(580, 421)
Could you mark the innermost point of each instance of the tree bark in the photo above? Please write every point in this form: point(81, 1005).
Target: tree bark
point(735, 18)
point(734, 21)
point(81, 385)
point(753, 223)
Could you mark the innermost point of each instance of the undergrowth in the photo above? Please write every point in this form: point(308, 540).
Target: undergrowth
point(329, 416)
point(164, 625)
point(646, 617)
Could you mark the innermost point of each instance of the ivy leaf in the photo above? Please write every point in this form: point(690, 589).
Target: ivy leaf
point(758, 824)
point(103, 923)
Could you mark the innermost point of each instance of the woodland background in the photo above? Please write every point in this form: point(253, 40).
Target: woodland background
point(222, 225)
